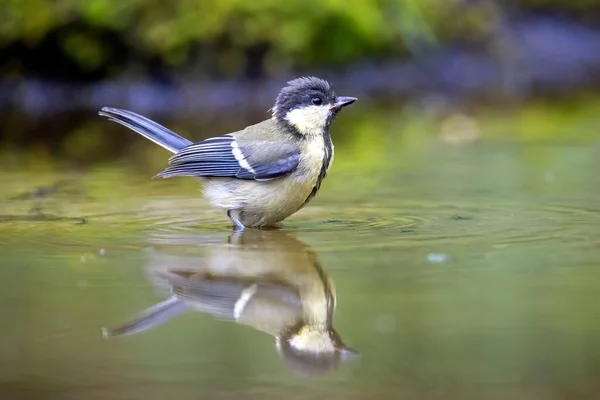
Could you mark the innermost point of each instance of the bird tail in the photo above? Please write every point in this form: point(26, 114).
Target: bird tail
point(147, 128)
point(149, 318)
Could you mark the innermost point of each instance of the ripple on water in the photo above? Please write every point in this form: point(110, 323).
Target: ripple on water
point(395, 222)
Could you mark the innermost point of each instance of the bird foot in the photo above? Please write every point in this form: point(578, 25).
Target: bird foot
point(237, 224)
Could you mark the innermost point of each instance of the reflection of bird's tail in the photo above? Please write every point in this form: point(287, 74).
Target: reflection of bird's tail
point(149, 319)
point(147, 128)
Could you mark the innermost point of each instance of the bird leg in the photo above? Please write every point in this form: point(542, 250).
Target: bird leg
point(237, 224)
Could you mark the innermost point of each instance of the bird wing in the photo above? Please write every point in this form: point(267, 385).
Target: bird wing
point(226, 156)
point(226, 298)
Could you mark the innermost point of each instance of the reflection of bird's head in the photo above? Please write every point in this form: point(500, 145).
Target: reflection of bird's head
point(313, 351)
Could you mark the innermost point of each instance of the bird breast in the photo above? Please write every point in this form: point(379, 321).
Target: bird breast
point(315, 157)
point(265, 203)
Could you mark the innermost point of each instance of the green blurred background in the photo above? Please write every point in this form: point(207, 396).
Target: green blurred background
point(88, 41)
point(222, 61)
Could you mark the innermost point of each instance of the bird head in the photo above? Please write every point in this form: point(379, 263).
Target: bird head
point(314, 351)
point(309, 105)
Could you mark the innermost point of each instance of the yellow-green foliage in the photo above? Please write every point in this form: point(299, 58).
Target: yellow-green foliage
point(296, 33)
point(309, 32)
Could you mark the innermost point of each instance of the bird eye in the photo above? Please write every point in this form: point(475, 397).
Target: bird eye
point(316, 101)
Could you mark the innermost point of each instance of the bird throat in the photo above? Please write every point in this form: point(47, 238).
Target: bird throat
point(327, 157)
point(327, 152)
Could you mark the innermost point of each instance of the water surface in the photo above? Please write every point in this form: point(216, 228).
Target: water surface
point(464, 265)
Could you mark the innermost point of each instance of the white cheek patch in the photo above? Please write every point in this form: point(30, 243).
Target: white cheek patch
point(309, 120)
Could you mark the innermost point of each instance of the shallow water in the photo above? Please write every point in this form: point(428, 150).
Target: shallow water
point(463, 267)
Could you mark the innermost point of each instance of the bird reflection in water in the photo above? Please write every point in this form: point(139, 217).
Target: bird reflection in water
point(267, 280)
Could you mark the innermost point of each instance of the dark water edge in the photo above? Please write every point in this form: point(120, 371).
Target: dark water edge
point(533, 56)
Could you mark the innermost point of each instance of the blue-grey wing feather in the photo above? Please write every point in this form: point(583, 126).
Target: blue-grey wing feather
point(223, 156)
point(219, 295)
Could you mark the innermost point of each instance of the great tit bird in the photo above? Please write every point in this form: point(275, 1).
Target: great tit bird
point(265, 172)
point(267, 280)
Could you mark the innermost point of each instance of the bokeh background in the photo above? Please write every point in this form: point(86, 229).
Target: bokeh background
point(223, 61)
point(459, 220)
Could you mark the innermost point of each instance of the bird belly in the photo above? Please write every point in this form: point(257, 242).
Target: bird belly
point(265, 203)
point(259, 203)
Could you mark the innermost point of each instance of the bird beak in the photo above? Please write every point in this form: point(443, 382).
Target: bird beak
point(348, 354)
point(342, 101)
